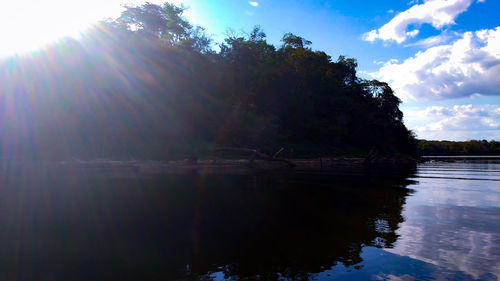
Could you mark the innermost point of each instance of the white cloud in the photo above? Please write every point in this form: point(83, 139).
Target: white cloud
point(438, 13)
point(465, 67)
point(432, 41)
point(253, 3)
point(460, 122)
point(385, 62)
point(438, 111)
point(412, 2)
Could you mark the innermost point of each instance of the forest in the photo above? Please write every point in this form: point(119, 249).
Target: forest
point(150, 85)
point(454, 148)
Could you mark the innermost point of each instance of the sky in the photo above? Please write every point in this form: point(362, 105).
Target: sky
point(441, 57)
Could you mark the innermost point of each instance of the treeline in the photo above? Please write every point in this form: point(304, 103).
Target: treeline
point(450, 148)
point(151, 85)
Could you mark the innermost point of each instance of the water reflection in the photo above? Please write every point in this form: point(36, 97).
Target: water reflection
point(465, 239)
point(454, 223)
point(193, 226)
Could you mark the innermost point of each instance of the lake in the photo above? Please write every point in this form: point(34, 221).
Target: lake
point(438, 221)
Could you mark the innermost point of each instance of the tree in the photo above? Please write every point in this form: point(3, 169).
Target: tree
point(166, 24)
point(156, 88)
point(294, 41)
point(385, 98)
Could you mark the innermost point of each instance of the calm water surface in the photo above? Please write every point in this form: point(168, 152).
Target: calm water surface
point(440, 221)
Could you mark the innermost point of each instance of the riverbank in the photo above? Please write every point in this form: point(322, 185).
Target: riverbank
point(143, 167)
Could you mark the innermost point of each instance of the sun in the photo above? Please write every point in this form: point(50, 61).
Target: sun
point(27, 25)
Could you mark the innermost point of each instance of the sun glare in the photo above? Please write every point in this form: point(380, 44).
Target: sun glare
point(27, 25)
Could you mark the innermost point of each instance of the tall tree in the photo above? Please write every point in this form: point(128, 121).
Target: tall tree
point(165, 23)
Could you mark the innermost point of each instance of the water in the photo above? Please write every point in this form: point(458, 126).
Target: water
point(440, 221)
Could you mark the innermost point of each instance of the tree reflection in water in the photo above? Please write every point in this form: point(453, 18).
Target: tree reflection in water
point(258, 226)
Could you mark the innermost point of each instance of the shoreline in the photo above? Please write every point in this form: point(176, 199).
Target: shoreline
point(237, 165)
point(146, 168)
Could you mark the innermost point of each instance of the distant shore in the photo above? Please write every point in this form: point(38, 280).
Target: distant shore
point(461, 156)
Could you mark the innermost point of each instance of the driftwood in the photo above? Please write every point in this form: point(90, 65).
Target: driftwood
point(255, 154)
point(372, 156)
point(277, 153)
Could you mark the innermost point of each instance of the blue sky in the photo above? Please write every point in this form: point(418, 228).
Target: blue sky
point(442, 57)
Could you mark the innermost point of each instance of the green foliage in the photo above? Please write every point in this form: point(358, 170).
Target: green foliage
point(148, 84)
point(449, 148)
point(164, 23)
point(293, 41)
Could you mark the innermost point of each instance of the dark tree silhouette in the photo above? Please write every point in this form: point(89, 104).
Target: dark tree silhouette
point(148, 85)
